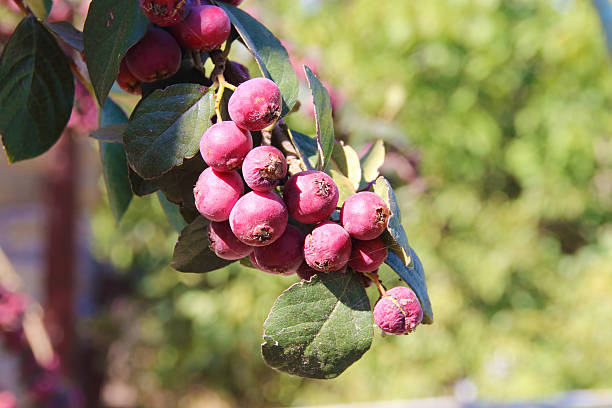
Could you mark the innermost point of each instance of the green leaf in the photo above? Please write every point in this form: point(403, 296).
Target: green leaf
point(414, 276)
point(372, 161)
point(110, 133)
point(270, 55)
point(111, 28)
point(68, 34)
point(140, 186)
point(166, 128)
point(114, 163)
point(37, 91)
point(323, 119)
point(395, 236)
point(177, 185)
point(346, 160)
point(345, 187)
point(172, 212)
point(317, 329)
point(41, 8)
point(306, 146)
point(191, 252)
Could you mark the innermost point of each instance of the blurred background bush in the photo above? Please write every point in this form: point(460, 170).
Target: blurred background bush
point(496, 116)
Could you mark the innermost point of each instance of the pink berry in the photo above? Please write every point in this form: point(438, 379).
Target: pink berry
point(283, 256)
point(255, 104)
point(164, 13)
point(127, 81)
point(364, 215)
point(224, 146)
point(264, 168)
point(328, 247)
point(311, 196)
point(259, 218)
point(205, 28)
point(224, 243)
point(305, 272)
point(216, 193)
point(367, 256)
point(156, 56)
point(398, 311)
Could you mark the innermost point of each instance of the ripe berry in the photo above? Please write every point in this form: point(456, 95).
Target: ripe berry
point(305, 272)
point(235, 73)
point(364, 215)
point(255, 104)
point(205, 28)
point(223, 242)
point(311, 196)
point(259, 218)
point(216, 193)
point(367, 256)
point(127, 81)
point(264, 168)
point(165, 13)
point(283, 256)
point(224, 146)
point(328, 247)
point(398, 311)
point(156, 56)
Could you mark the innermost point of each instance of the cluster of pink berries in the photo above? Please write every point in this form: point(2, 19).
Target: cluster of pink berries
point(158, 54)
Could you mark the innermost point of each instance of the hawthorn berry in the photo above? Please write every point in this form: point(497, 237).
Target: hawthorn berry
point(311, 196)
point(127, 81)
point(259, 218)
point(398, 311)
point(216, 193)
point(264, 168)
point(223, 242)
point(235, 73)
point(364, 215)
point(255, 104)
point(283, 256)
point(156, 56)
point(305, 272)
point(165, 13)
point(367, 256)
point(205, 28)
point(327, 248)
point(224, 146)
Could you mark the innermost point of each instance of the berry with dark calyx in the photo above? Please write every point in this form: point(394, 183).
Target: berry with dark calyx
point(283, 256)
point(224, 146)
point(235, 73)
point(367, 256)
point(305, 272)
point(216, 193)
point(311, 196)
point(328, 247)
point(259, 218)
point(156, 56)
point(264, 168)
point(165, 13)
point(255, 104)
point(223, 242)
point(127, 81)
point(364, 215)
point(205, 28)
point(398, 311)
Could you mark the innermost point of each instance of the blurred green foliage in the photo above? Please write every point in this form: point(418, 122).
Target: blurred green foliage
point(508, 104)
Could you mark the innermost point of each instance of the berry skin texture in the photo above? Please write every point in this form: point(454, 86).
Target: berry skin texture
point(165, 13)
point(367, 256)
point(311, 196)
point(264, 168)
point(223, 242)
point(156, 56)
point(127, 81)
point(327, 248)
point(255, 104)
point(216, 193)
point(398, 311)
point(283, 256)
point(224, 146)
point(364, 215)
point(205, 28)
point(259, 218)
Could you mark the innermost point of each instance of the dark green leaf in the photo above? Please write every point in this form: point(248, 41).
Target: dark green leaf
point(111, 28)
point(166, 128)
point(41, 8)
point(37, 91)
point(323, 119)
point(270, 55)
point(172, 212)
point(114, 162)
point(140, 186)
point(346, 160)
point(306, 145)
point(414, 276)
point(345, 187)
point(192, 254)
point(68, 34)
point(110, 133)
point(395, 236)
point(177, 185)
point(317, 329)
point(372, 161)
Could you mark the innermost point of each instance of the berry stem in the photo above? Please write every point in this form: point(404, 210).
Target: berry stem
point(374, 278)
point(197, 60)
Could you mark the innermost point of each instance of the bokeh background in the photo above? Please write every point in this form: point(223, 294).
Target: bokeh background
point(497, 121)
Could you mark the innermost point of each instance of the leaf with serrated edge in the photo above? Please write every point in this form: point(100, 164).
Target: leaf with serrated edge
point(270, 55)
point(323, 119)
point(166, 128)
point(395, 236)
point(111, 28)
point(347, 162)
point(110, 133)
point(37, 91)
point(372, 161)
point(191, 252)
point(414, 276)
point(68, 34)
point(345, 187)
point(317, 329)
point(172, 212)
